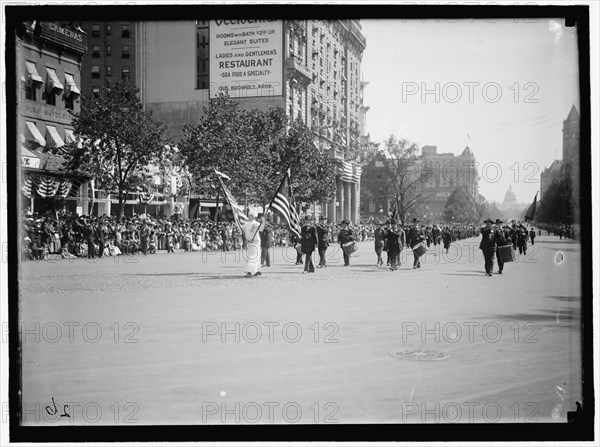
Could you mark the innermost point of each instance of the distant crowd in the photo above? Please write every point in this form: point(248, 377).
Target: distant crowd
point(72, 236)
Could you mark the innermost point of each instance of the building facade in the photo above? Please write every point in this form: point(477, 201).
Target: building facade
point(111, 56)
point(310, 68)
point(570, 154)
point(443, 173)
point(48, 71)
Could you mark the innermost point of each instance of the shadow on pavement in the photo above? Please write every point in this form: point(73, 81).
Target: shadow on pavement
point(571, 316)
point(566, 298)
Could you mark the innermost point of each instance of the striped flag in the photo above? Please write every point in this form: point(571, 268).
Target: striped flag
point(145, 197)
point(47, 187)
point(238, 213)
point(347, 172)
point(284, 203)
point(356, 174)
point(27, 187)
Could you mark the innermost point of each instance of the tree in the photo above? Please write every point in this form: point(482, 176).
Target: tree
point(460, 207)
point(254, 148)
point(404, 175)
point(558, 202)
point(118, 139)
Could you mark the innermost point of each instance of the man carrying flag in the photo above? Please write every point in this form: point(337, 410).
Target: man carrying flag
point(249, 228)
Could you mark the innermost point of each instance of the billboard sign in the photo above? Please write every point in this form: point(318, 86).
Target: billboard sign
point(246, 58)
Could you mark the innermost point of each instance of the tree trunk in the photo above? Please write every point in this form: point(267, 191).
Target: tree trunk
point(121, 205)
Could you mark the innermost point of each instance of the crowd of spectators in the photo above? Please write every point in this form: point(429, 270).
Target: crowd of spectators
point(69, 235)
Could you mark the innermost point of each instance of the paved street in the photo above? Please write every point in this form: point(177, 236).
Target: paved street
point(184, 338)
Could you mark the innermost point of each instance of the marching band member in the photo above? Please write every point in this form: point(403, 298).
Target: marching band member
point(500, 240)
point(309, 242)
point(488, 246)
point(380, 238)
point(323, 240)
point(415, 237)
point(395, 241)
point(345, 235)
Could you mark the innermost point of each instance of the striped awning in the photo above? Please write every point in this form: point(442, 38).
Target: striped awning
point(70, 136)
point(53, 139)
point(32, 74)
point(34, 133)
point(70, 85)
point(52, 82)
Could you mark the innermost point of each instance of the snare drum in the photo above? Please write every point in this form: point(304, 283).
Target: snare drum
point(349, 247)
point(419, 249)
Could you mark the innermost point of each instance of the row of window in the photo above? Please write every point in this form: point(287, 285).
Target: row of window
point(125, 30)
point(125, 51)
point(53, 86)
point(96, 72)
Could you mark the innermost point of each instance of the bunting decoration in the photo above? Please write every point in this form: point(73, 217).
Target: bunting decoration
point(47, 187)
point(26, 188)
point(64, 189)
point(146, 197)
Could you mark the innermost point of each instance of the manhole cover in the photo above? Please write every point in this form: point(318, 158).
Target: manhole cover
point(420, 355)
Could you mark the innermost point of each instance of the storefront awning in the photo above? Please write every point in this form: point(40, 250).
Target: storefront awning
point(52, 82)
point(53, 139)
point(29, 159)
point(70, 136)
point(32, 74)
point(34, 134)
point(71, 86)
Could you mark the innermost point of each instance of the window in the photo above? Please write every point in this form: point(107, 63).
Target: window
point(125, 31)
point(69, 101)
point(31, 91)
point(95, 30)
point(125, 52)
point(95, 51)
point(108, 50)
point(125, 73)
point(51, 97)
point(202, 54)
point(108, 30)
point(96, 91)
point(95, 71)
point(108, 71)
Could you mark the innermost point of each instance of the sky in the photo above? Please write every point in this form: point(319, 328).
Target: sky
point(502, 87)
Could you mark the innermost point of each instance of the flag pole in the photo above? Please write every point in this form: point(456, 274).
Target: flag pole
point(286, 175)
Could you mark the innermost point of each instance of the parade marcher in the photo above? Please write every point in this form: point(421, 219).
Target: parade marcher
point(309, 242)
point(266, 242)
point(296, 243)
point(395, 241)
point(532, 236)
point(380, 239)
point(488, 246)
point(251, 234)
point(514, 232)
point(344, 236)
point(323, 240)
point(522, 234)
point(415, 237)
point(500, 240)
point(446, 238)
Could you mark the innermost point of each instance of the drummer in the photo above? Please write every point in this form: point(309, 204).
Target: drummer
point(500, 240)
point(345, 235)
point(415, 237)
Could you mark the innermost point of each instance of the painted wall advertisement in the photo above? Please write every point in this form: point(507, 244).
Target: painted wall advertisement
point(246, 58)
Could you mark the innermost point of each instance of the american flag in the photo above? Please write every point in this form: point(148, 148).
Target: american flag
point(284, 203)
point(347, 172)
point(357, 173)
point(238, 213)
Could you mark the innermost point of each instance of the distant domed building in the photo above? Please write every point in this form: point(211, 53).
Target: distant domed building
point(509, 206)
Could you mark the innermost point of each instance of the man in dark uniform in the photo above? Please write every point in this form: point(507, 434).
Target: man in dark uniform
point(395, 242)
point(415, 236)
point(99, 237)
point(499, 240)
point(380, 239)
point(344, 236)
point(446, 238)
point(296, 240)
point(514, 232)
point(532, 236)
point(309, 242)
point(266, 242)
point(488, 246)
point(522, 239)
point(322, 240)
